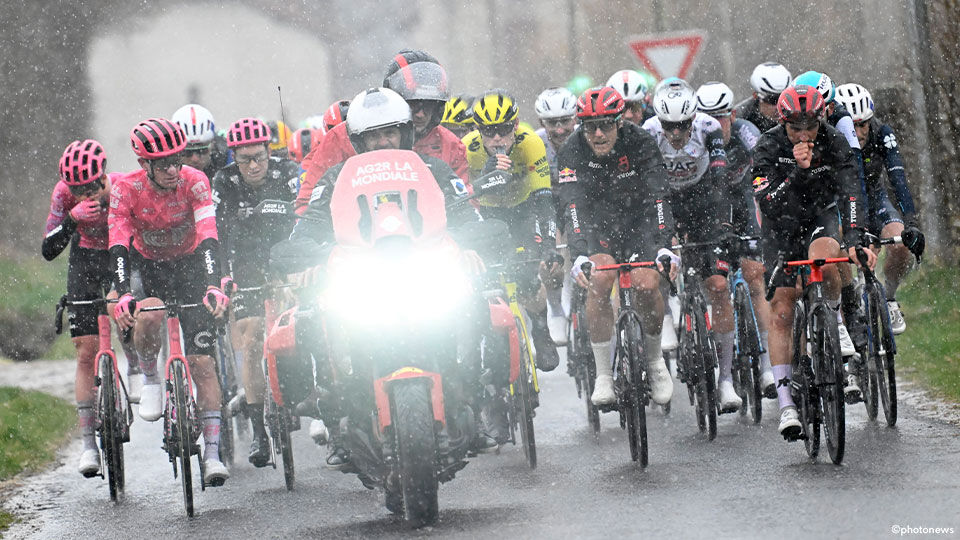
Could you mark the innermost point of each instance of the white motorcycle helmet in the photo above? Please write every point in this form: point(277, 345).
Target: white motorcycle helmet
point(379, 108)
point(629, 83)
point(770, 78)
point(556, 102)
point(857, 100)
point(715, 98)
point(197, 122)
point(674, 100)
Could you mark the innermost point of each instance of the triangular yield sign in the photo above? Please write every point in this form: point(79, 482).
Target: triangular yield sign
point(668, 55)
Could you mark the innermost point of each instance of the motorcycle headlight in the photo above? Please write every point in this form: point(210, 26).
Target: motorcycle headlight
point(417, 287)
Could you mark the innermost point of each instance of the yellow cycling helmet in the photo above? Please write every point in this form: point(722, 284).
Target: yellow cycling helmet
point(280, 135)
point(458, 111)
point(495, 107)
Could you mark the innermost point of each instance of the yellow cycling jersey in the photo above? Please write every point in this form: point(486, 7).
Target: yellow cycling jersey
point(530, 170)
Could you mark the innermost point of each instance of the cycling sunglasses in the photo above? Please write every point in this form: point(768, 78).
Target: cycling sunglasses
point(606, 125)
point(199, 151)
point(494, 130)
point(558, 122)
point(803, 125)
point(88, 188)
point(770, 99)
point(861, 123)
point(682, 125)
point(165, 163)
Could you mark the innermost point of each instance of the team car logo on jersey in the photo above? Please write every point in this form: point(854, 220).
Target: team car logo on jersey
point(760, 183)
point(623, 164)
point(890, 141)
point(566, 175)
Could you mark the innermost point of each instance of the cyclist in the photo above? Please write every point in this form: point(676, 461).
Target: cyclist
point(78, 217)
point(280, 135)
point(739, 138)
point(165, 212)
point(557, 109)
point(526, 204)
point(205, 151)
point(409, 71)
point(301, 142)
point(246, 238)
point(693, 152)
point(378, 119)
point(805, 183)
point(881, 152)
point(335, 114)
point(633, 87)
point(768, 80)
point(613, 188)
point(458, 115)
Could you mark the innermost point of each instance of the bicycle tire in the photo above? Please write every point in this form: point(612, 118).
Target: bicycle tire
point(868, 384)
point(749, 350)
point(111, 438)
point(523, 395)
point(806, 391)
point(286, 447)
point(633, 384)
point(686, 371)
point(183, 431)
point(884, 354)
point(830, 378)
point(708, 355)
point(586, 370)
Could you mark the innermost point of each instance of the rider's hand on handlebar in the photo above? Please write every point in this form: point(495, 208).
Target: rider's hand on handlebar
point(125, 311)
point(472, 262)
point(551, 269)
point(914, 241)
point(674, 262)
point(227, 285)
point(576, 272)
point(216, 301)
point(871, 256)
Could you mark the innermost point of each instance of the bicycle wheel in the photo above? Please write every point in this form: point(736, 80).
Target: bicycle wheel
point(868, 385)
point(830, 378)
point(748, 348)
point(111, 431)
point(687, 370)
point(633, 398)
point(183, 431)
point(707, 351)
point(806, 393)
point(883, 350)
point(286, 448)
point(585, 369)
point(523, 397)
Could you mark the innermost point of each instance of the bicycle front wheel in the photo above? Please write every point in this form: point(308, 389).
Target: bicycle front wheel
point(183, 431)
point(748, 339)
point(707, 351)
point(524, 399)
point(633, 385)
point(830, 378)
point(111, 429)
point(882, 350)
point(286, 446)
point(585, 370)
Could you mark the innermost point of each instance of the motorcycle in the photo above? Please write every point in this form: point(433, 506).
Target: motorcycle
point(394, 289)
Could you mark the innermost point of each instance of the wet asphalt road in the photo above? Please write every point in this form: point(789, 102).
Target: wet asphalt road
point(748, 483)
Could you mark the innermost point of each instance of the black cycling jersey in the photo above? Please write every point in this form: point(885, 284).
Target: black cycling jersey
point(613, 192)
point(882, 153)
point(787, 194)
point(749, 110)
point(742, 208)
point(245, 237)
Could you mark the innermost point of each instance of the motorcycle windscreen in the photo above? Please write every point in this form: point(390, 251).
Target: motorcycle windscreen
point(386, 193)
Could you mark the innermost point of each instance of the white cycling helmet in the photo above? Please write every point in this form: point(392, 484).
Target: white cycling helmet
point(629, 83)
point(674, 100)
point(197, 122)
point(857, 100)
point(556, 103)
point(715, 98)
point(769, 78)
point(379, 108)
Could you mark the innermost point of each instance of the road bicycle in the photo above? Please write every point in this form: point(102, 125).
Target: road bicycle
point(748, 346)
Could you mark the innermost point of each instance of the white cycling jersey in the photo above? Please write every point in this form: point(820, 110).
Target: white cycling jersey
point(686, 166)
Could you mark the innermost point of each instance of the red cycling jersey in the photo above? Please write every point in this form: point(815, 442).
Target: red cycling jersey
point(335, 147)
point(93, 235)
point(164, 225)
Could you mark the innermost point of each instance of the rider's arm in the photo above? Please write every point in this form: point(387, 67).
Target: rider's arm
point(850, 189)
point(226, 215)
point(572, 197)
point(60, 226)
point(773, 181)
point(717, 171)
point(313, 232)
point(205, 222)
point(540, 201)
point(653, 173)
point(845, 127)
point(897, 175)
point(333, 148)
point(120, 232)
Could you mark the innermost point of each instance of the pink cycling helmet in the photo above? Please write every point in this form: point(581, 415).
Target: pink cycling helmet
point(82, 162)
point(248, 131)
point(157, 138)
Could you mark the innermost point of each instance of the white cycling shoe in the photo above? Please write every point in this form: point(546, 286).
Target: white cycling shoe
point(668, 336)
point(134, 387)
point(151, 402)
point(318, 432)
point(89, 464)
point(603, 391)
point(789, 423)
point(215, 473)
point(897, 323)
point(558, 330)
point(661, 384)
point(729, 400)
point(768, 384)
point(846, 344)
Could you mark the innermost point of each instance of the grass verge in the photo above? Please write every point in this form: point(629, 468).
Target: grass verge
point(32, 426)
point(929, 351)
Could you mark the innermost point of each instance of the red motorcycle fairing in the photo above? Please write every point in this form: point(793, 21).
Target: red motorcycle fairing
point(501, 318)
point(281, 339)
point(383, 399)
point(386, 193)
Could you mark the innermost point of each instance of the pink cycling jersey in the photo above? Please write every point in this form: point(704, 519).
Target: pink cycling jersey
point(92, 235)
point(164, 225)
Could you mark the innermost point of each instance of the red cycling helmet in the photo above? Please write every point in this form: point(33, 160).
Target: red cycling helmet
point(336, 114)
point(801, 102)
point(156, 138)
point(82, 162)
point(600, 102)
point(302, 142)
point(248, 131)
